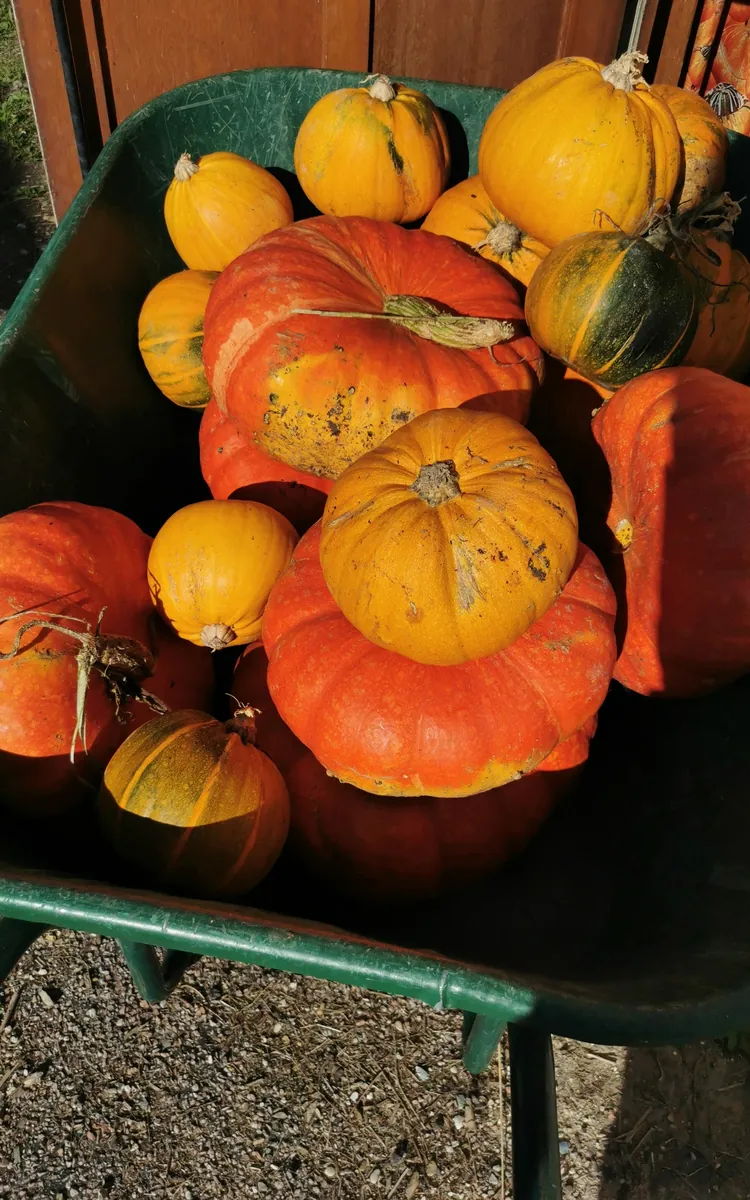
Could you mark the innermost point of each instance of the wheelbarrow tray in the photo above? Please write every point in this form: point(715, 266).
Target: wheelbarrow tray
point(627, 920)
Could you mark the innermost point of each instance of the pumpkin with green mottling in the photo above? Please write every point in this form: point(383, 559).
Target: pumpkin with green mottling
point(170, 336)
point(378, 151)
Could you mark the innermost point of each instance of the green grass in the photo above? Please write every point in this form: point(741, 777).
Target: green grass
point(18, 135)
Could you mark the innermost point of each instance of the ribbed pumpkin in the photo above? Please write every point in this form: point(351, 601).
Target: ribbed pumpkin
point(250, 686)
point(61, 566)
point(577, 140)
point(705, 145)
point(395, 727)
point(466, 213)
point(234, 468)
point(318, 391)
point(212, 565)
point(378, 151)
point(722, 277)
point(611, 307)
point(451, 538)
point(676, 443)
point(218, 206)
point(170, 336)
point(390, 851)
point(194, 806)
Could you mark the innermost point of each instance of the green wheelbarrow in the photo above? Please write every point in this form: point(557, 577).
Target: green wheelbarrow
point(628, 919)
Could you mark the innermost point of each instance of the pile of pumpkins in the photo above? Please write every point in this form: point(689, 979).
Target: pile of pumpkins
point(420, 640)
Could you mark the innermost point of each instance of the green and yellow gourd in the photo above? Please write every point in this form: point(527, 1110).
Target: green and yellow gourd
point(170, 336)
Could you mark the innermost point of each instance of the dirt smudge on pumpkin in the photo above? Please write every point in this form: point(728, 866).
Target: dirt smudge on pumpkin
point(349, 516)
point(467, 584)
point(539, 563)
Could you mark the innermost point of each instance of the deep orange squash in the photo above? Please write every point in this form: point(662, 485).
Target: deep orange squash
point(704, 143)
point(395, 727)
point(722, 278)
point(390, 851)
point(466, 213)
point(194, 806)
point(676, 442)
point(73, 560)
point(318, 391)
point(235, 469)
point(170, 336)
point(379, 150)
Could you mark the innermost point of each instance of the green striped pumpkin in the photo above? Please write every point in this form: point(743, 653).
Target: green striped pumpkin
point(170, 336)
point(193, 806)
point(611, 307)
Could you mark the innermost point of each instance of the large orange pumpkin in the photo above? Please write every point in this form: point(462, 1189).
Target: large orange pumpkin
point(722, 278)
point(451, 538)
point(375, 848)
point(235, 469)
point(704, 144)
point(317, 391)
point(578, 144)
point(194, 806)
point(61, 566)
point(218, 206)
point(379, 150)
point(466, 213)
point(676, 442)
point(394, 727)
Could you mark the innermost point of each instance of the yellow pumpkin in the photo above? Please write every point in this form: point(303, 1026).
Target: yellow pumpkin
point(451, 538)
point(194, 806)
point(170, 336)
point(212, 565)
point(705, 145)
point(466, 213)
point(378, 151)
point(577, 147)
point(722, 275)
point(218, 206)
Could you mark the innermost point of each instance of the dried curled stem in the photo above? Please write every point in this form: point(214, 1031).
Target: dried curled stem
point(123, 663)
point(625, 72)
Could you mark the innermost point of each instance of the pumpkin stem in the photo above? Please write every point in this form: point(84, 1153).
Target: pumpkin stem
point(243, 724)
point(381, 88)
point(217, 637)
point(185, 168)
point(504, 239)
point(437, 483)
point(122, 662)
point(625, 72)
point(432, 323)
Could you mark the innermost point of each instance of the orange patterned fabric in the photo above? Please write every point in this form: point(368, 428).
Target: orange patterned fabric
point(720, 62)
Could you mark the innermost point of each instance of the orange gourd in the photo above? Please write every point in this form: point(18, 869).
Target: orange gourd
point(704, 143)
point(170, 336)
point(379, 150)
point(194, 806)
point(578, 146)
point(219, 205)
point(450, 539)
point(466, 213)
point(212, 565)
point(722, 278)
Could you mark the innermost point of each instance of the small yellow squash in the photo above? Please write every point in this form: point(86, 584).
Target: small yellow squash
point(212, 566)
point(451, 538)
point(377, 151)
point(170, 336)
point(218, 206)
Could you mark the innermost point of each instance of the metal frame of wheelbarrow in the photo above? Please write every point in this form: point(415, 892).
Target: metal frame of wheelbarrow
point(144, 924)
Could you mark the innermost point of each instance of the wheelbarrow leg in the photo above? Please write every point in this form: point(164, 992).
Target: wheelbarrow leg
point(536, 1154)
point(481, 1036)
point(154, 979)
point(15, 938)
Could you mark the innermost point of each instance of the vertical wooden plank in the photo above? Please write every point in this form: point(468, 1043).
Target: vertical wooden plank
point(49, 98)
point(590, 29)
point(345, 35)
point(676, 44)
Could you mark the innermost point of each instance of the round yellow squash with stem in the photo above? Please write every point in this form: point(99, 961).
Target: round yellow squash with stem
point(466, 213)
point(194, 806)
point(218, 206)
point(377, 151)
point(705, 145)
point(451, 538)
point(578, 147)
point(212, 565)
point(170, 336)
